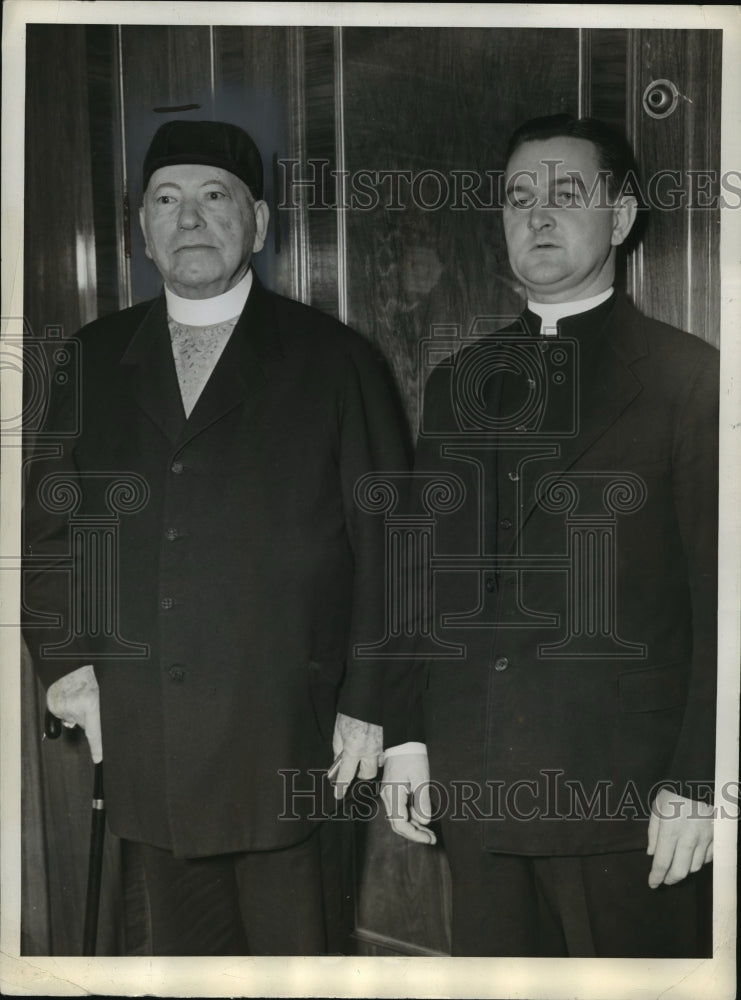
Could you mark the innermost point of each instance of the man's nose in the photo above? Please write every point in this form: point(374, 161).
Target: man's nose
point(190, 216)
point(540, 218)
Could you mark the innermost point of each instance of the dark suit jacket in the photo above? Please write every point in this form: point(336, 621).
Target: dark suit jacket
point(576, 693)
point(244, 569)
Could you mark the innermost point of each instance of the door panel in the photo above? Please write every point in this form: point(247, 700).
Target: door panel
point(437, 105)
point(675, 273)
point(165, 73)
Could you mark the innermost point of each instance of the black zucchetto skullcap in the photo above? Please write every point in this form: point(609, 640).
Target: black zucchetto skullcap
point(214, 144)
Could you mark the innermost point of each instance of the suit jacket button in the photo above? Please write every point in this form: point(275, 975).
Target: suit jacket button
point(501, 664)
point(505, 523)
point(171, 534)
point(167, 603)
point(176, 673)
point(177, 468)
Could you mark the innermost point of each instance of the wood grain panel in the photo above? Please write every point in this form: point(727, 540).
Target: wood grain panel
point(62, 256)
point(320, 144)
point(251, 76)
point(163, 69)
point(105, 164)
point(675, 274)
point(439, 100)
point(606, 73)
point(59, 251)
point(604, 94)
point(404, 894)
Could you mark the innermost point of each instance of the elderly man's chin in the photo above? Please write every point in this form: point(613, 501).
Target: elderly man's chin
point(201, 276)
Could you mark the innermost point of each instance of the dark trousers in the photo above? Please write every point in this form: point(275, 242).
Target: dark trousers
point(286, 902)
point(592, 906)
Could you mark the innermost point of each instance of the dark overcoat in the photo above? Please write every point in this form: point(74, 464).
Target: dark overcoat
point(232, 573)
point(586, 631)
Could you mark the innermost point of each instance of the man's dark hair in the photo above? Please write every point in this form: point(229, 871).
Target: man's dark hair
point(614, 155)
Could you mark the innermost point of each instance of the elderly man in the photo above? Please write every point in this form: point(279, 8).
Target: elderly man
point(574, 733)
point(231, 426)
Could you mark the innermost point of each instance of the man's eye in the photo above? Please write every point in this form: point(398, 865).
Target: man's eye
point(519, 199)
point(215, 195)
point(567, 198)
point(165, 199)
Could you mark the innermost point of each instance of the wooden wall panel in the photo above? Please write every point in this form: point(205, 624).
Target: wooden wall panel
point(59, 261)
point(428, 100)
point(320, 144)
point(675, 273)
point(60, 290)
point(166, 73)
point(251, 89)
point(439, 100)
point(106, 166)
point(236, 74)
point(403, 894)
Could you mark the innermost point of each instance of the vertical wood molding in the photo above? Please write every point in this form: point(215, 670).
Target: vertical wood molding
point(636, 263)
point(321, 149)
point(123, 215)
point(299, 237)
point(212, 68)
point(585, 73)
point(703, 225)
point(339, 104)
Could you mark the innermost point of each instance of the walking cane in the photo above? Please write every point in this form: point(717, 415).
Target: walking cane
point(52, 729)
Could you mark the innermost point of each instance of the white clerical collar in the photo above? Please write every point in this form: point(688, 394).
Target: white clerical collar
point(551, 312)
point(209, 312)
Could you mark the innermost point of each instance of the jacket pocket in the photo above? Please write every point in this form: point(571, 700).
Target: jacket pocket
point(653, 689)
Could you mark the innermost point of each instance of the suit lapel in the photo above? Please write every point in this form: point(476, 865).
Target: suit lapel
point(154, 382)
point(607, 386)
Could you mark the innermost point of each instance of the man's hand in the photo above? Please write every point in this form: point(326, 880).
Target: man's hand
point(360, 745)
point(680, 837)
point(75, 700)
point(405, 792)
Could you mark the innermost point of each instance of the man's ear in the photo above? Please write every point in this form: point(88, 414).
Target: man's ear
point(143, 225)
point(624, 213)
point(262, 217)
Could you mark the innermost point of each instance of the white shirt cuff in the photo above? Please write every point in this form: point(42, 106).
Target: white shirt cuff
point(405, 748)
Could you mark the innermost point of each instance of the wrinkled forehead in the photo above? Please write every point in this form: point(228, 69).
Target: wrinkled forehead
point(543, 161)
